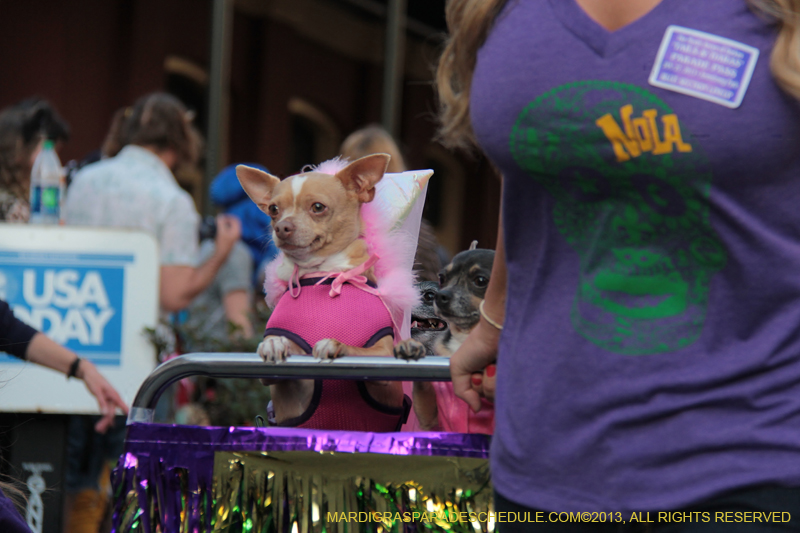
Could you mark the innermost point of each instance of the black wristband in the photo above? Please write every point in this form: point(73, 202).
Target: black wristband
point(73, 368)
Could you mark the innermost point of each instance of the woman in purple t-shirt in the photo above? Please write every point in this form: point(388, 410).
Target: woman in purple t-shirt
point(649, 358)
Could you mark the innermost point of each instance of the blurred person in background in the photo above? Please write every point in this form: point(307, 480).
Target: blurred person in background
point(223, 312)
point(227, 193)
point(23, 128)
point(134, 187)
point(373, 139)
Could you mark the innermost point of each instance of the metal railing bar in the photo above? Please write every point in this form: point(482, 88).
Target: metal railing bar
point(250, 365)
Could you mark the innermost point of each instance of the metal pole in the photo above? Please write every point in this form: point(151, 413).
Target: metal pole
point(393, 63)
point(219, 78)
point(250, 366)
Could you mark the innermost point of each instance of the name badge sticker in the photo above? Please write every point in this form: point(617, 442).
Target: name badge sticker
point(704, 65)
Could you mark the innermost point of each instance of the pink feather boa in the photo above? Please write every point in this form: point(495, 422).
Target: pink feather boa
point(393, 271)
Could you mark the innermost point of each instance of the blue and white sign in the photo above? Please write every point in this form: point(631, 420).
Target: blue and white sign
point(91, 290)
point(704, 65)
point(76, 299)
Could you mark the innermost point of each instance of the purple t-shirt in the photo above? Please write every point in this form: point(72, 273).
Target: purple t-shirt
point(11, 520)
point(651, 351)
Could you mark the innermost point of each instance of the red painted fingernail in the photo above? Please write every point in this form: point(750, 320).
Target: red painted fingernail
point(476, 380)
point(491, 370)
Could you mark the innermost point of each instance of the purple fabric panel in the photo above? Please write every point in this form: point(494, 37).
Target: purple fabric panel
point(167, 469)
point(194, 447)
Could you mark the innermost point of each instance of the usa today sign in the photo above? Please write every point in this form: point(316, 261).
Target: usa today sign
point(75, 298)
point(91, 290)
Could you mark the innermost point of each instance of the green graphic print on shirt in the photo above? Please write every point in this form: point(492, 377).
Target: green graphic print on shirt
point(631, 198)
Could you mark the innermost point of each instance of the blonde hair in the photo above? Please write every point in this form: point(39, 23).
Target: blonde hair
point(373, 139)
point(785, 58)
point(470, 22)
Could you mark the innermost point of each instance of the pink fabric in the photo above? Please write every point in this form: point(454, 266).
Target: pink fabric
point(456, 416)
point(342, 407)
point(352, 317)
point(395, 282)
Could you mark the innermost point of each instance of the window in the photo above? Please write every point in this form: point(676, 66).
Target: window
point(314, 136)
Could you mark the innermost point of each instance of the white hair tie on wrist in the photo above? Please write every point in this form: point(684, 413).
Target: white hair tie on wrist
point(487, 319)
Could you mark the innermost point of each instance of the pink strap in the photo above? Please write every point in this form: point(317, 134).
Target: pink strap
point(294, 279)
point(354, 276)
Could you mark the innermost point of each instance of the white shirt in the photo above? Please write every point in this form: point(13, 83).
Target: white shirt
point(136, 189)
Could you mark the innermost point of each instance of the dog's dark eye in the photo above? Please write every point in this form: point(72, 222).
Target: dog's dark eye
point(318, 208)
point(273, 210)
point(481, 281)
point(441, 280)
point(429, 296)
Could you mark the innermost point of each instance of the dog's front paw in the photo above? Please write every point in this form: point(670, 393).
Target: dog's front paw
point(274, 349)
point(328, 349)
point(410, 350)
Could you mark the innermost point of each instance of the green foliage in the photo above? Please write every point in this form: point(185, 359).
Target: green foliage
point(226, 401)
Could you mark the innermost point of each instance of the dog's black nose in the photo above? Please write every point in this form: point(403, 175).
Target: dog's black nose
point(284, 228)
point(443, 298)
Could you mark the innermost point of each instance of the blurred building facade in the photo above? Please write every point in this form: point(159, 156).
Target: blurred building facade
point(303, 75)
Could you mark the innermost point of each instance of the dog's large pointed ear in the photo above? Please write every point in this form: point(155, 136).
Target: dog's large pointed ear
point(257, 184)
point(363, 174)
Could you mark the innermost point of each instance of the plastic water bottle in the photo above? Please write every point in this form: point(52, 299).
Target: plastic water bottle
point(47, 186)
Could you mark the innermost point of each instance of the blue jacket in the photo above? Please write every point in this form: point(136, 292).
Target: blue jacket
point(227, 193)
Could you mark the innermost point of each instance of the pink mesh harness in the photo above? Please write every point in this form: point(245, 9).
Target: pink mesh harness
point(313, 309)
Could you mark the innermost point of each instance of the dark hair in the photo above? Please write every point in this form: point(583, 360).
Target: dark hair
point(41, 118)
point(22, 127)
point(160, 120)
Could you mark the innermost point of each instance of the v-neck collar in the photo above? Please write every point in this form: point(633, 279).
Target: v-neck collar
point(603, 42)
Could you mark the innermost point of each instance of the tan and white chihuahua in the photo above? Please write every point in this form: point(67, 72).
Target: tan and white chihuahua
point(317, 224)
